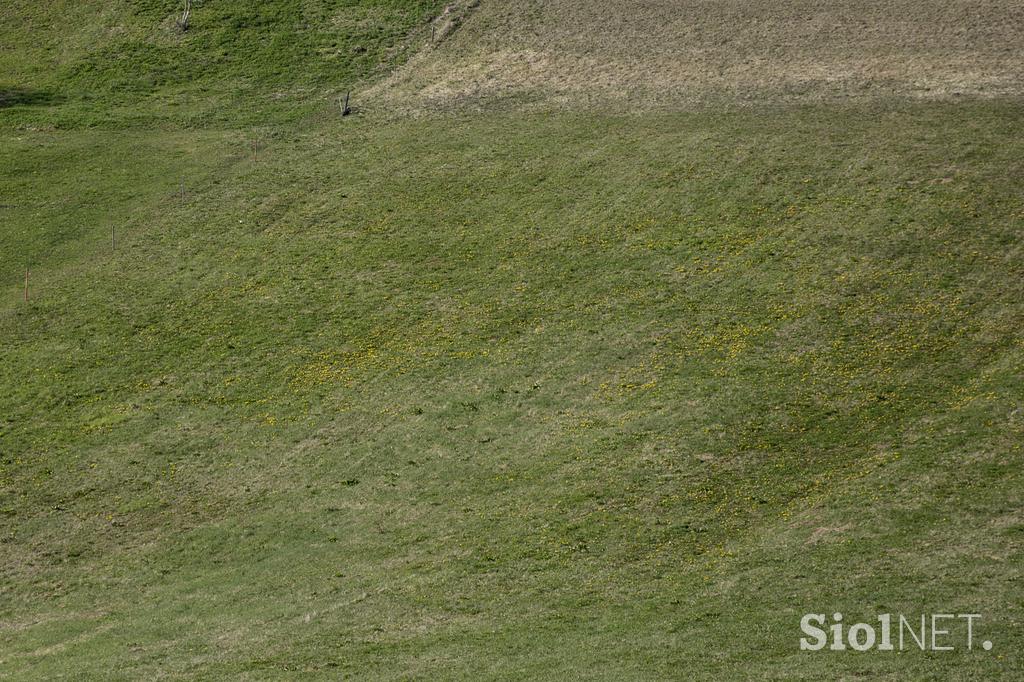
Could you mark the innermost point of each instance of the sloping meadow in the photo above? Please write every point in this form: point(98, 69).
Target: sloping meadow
point(509, 394)
point(535, 395)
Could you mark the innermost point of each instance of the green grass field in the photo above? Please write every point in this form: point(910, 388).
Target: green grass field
point(477, 390)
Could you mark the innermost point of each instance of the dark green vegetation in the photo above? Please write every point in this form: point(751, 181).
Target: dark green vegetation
point(115, 64)
point(554, 396)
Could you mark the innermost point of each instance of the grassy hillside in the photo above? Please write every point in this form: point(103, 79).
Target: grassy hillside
point(554, 395)
point(122, 63)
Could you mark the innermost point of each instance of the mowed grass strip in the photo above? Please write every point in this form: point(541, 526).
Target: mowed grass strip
point(624, 55)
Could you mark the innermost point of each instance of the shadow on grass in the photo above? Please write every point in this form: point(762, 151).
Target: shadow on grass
point(25, 97)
